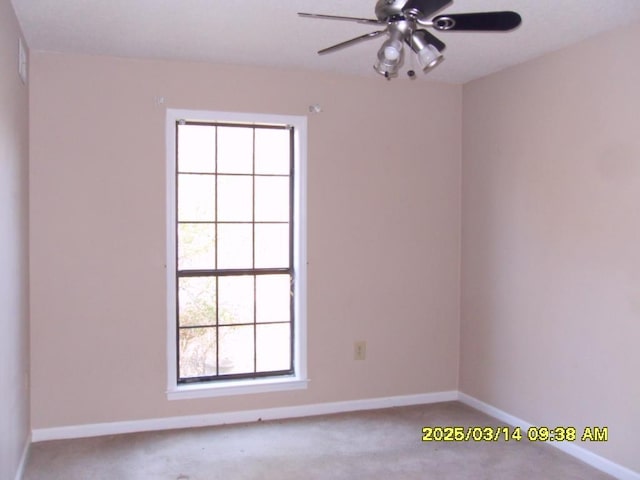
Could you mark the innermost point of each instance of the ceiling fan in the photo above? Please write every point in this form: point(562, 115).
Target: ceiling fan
point(403, 19)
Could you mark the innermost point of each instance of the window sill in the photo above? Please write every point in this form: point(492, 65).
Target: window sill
point(236, 387)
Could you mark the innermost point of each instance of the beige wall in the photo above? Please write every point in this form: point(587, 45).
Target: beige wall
point(383, 232)
point(551, 232)
point(14, 265)
point(550, 226)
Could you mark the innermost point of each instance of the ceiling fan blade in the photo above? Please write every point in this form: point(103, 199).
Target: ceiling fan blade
point(353, 41)
point(367, 21)
point(423, 8)
point(484, 21)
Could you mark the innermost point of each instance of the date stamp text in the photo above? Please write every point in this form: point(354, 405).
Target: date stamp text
point(517, 434)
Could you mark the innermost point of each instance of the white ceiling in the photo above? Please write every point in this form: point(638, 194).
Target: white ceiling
point(269, 33)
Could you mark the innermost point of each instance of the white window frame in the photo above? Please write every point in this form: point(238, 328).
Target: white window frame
point(299, 379)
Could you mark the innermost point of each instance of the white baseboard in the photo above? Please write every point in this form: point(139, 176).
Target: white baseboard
point(113, 428)
point(572, 449)
point(23, 459)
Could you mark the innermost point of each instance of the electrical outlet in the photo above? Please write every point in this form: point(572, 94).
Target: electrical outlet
point(360, 350)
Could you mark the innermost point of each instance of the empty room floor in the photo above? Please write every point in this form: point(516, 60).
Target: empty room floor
point(374, 444)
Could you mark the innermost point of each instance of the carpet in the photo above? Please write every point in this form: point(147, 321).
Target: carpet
point(375, 444)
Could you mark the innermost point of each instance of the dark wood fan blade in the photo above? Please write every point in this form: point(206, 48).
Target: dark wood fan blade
point(484, 21)
point(353, 41)
point(424, 8)
point(367, 21)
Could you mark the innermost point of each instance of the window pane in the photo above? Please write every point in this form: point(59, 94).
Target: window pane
point(235, 299)
point(272, 246)
point(196, 198)
point(235, 246)
point(273, 347)
point(272, 151)
point(272, 199)
point(235, 150)
point(273, 298)
point(236, 349)
point(196, 148)
point(196, 246)
point(235, 198)
point(197, 301)
point(197, 352)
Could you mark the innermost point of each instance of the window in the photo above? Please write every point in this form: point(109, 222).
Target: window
point(236, 256)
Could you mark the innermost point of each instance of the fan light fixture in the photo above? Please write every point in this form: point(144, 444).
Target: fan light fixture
point(391, 54)
point(429, 56)
point(403, 20)
point(390, 57)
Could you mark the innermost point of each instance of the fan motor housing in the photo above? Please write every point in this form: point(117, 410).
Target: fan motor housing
point(389, 8)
